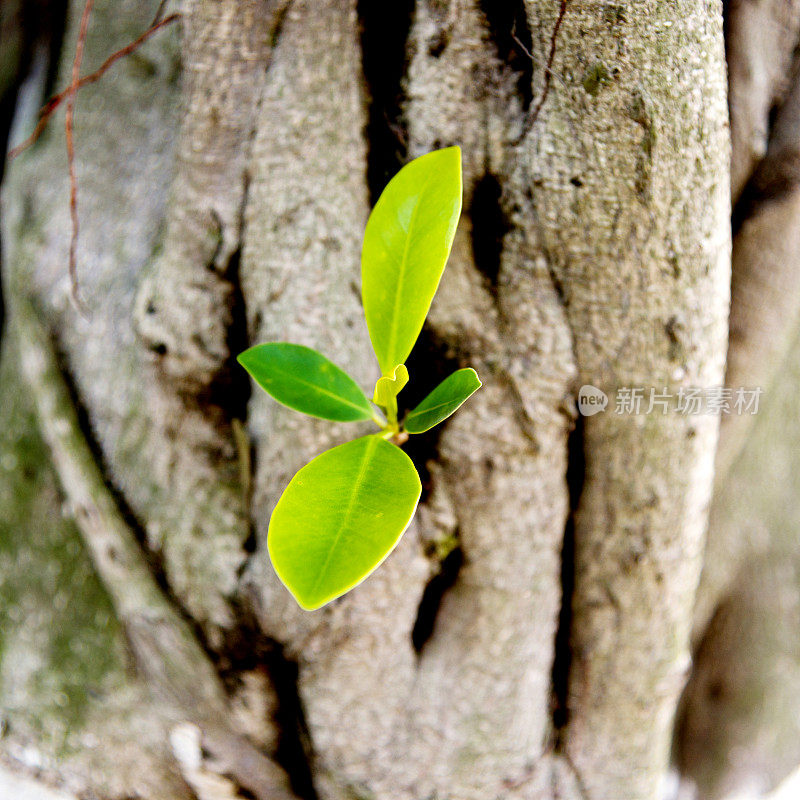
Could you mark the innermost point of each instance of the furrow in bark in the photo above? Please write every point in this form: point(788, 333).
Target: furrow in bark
point(256, 667)
point(429, 363)
point(760, 38)
point(384, 44)
point(444, 579)
point(154, 560)
point(473, 106)
point(489, 226)
point(32, 37)
point(508, 28)
point(562, 660)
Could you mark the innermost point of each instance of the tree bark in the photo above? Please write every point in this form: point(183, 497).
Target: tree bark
point(529, 637)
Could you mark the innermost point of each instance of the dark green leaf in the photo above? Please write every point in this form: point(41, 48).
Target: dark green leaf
point(442, 401)
point(303, 379)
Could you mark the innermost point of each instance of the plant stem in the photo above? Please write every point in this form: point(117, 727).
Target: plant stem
point(379, 421)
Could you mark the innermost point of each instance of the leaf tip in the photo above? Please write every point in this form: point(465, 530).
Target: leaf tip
point(454, 154)
point(309, 605)
point(244, 360)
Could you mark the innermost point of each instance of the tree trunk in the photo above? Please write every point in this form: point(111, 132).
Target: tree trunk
point(530, 636)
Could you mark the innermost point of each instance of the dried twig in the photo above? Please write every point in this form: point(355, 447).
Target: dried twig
point(534, 113)
point(53, 103)
point(69, 128)
point(69, 94)
point(159, 13)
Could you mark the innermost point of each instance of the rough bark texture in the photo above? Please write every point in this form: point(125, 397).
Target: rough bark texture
point(637, 257)
point(529, 637)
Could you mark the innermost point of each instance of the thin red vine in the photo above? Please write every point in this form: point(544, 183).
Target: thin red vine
point(69, 94)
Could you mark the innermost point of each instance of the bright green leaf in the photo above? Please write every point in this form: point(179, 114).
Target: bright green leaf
point(406, 244)
point(306, 381)
point(443, 400)
point(388, 387)
point(340, 516)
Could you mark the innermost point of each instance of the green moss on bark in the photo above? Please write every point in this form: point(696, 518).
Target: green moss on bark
point(57, 629)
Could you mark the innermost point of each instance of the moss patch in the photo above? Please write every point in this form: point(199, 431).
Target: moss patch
point(58, 635)
point(595, 77)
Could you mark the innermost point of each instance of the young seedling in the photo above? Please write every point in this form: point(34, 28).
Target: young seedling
point(345, 511)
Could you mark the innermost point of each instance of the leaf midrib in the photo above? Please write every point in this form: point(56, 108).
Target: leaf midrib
point(419, 412)
point(402, 274)
point(320, 389)
point(371, 444)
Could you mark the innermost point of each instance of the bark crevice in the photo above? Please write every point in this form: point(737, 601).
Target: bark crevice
point(534, 112)
point(383, 34)
point(36, 33)
point(429, 363)
point(489, 226)
point(231, 389)
point(509, 31)
point(152, 557)
point(248, 650)
point(444, 579)
point(562, 658)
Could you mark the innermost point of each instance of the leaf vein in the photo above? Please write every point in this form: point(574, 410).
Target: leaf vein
point(348, 512)
point(319, 389)
point(402, 273)
point(429, 409)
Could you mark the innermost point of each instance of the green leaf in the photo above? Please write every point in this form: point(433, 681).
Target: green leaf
point(406, 244)
point(443, 400)
point(340, 516)
point(388, 387)
point(303, 379)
